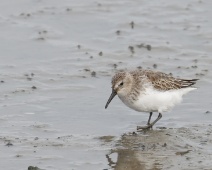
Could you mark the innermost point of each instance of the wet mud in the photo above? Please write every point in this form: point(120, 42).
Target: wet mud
point(181, 148)
point(57, 60)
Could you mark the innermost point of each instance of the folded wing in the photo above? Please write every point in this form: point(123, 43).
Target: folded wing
point(164, 82)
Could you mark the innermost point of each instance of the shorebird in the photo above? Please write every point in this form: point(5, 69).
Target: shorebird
point(149, 91)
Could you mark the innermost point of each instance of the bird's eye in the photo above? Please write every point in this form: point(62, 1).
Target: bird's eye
point(121, 84)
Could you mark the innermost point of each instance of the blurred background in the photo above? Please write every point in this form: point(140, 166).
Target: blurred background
point(57, 60)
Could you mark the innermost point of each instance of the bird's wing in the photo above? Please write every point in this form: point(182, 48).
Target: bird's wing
point(164, 82)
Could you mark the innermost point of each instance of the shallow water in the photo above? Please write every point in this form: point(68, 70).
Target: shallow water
point(57, 60)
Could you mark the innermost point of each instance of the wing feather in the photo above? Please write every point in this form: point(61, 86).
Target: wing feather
point(162, 81)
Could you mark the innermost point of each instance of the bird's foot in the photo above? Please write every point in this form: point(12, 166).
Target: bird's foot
point(147, 127)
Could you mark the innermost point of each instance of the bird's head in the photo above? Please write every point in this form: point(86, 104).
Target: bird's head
point(121, 85)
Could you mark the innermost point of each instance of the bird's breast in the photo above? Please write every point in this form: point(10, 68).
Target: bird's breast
point(154, 101)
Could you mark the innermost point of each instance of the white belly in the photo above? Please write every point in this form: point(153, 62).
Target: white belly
point(157, 101)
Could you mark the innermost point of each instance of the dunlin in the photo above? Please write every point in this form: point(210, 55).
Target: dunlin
point(149, 91)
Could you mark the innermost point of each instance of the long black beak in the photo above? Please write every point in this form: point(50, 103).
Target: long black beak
point(113, 94)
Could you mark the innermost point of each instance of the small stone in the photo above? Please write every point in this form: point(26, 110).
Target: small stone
point(78, 46)
point(33, 168)
point(33, 87)
point(155, 66)
point(118, 32)
point(164, 145)
point(148, 47)
point(9, 144)
point(87, 69)
point(182, 152)
point(207, 112)
point(131, 48)
point(93, 74)
point(2, 81)
point(134, 133)
point(100, 53)
point(132, 24)
point(68, 9)
point(36, 138)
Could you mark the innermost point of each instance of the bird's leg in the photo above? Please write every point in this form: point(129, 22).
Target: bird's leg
point(151, 124)
point(150, 115)
point(158, 118)
point(148, 123)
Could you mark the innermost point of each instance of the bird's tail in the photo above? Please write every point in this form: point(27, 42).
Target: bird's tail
point(187, 83)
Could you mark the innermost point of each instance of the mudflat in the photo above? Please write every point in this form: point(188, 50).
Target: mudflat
point(57, 60)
